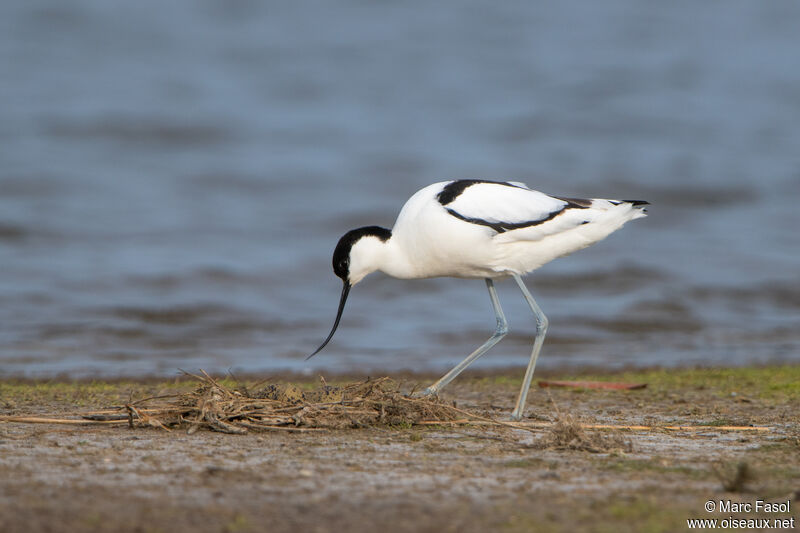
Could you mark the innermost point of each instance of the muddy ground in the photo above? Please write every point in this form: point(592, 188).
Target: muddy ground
point(402, 478)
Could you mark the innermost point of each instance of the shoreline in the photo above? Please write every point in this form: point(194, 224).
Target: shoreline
point(476, 372)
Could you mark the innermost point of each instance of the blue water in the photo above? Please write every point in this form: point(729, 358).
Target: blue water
point(174, 177)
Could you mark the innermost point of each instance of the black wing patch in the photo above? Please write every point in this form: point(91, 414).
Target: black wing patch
point(576, 203)
point(454, 189)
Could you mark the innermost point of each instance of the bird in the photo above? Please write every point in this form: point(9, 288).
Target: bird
point(479, 229)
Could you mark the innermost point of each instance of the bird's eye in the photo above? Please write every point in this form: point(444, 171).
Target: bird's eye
point(341, 267)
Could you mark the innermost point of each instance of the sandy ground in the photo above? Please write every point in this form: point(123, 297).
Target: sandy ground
point(65, 478)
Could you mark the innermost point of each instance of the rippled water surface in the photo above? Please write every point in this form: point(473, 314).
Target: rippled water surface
point(174, 177)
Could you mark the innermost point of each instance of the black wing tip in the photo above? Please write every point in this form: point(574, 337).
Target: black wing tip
point(636, 203)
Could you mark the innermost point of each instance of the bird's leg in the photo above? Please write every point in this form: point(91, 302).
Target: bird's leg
point(541, 330)
point(499, 333)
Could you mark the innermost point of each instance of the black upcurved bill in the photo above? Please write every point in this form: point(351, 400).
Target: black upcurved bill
point(342, 300)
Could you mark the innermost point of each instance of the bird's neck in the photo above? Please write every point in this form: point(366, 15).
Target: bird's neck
point(389, 256)
point(393, 259)
point(367, 255)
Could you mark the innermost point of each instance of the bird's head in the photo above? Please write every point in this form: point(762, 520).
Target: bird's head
point(354, 258)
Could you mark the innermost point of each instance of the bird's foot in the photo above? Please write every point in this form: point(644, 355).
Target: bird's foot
point(426, 393)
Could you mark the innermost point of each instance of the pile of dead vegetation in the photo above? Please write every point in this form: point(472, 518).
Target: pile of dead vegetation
point(567, 433)
point(212, 405)
point(369, 403)
point(220, 406)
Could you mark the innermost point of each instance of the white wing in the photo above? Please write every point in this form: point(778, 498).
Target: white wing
point(505, 207)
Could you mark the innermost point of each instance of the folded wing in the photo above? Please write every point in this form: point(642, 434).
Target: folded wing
point(507, 207)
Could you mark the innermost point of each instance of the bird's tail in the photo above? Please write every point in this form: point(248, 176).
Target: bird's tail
point(640, 207)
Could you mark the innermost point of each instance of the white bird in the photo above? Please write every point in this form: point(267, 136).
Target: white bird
point(479, 229)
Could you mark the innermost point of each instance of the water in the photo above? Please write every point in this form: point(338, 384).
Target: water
point(174, 177)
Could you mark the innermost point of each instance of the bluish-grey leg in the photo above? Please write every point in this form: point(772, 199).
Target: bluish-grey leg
point(541, 330)
point(499, 333)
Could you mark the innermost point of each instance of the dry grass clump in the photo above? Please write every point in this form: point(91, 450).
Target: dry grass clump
point(567, 433)
point(373, 402)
